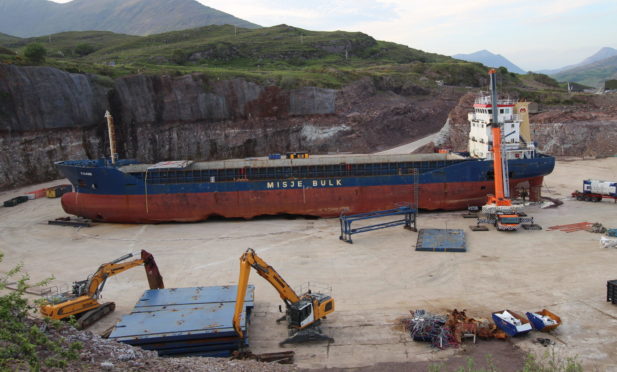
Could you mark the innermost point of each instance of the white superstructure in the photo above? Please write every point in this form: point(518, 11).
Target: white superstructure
point(512, 118)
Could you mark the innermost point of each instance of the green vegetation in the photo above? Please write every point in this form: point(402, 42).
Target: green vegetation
point(610, 84)
point(543, 79)
point(5, 39)
point(593, 74)
point(84, 49)
point(63, 45)
point(274, 48)
point(6, 51)
point(282, 55)
point(35, 52)
point(26, 342)
point(549, 362)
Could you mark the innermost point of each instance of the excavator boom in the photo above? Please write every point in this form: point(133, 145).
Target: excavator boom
point(250, 259)
point(86, 293)
point(303, 313)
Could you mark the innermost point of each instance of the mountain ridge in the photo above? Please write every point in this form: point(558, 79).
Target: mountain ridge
point(28, 18)
point(490, 59)
point(601, 54)
point(591, 74)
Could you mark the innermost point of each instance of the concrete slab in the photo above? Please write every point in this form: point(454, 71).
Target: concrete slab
point(375, 281)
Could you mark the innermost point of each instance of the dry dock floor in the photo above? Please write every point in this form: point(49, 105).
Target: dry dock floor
point(375, 281)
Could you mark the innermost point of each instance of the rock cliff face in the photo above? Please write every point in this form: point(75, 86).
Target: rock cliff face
point(48, 115)
point(38, 98)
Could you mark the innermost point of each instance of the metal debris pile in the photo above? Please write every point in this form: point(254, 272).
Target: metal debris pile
point(283, 357)
point(426, 327)
point(597, 228)
point(449, 330)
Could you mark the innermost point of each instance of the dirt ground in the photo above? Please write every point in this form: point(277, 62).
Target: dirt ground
point(375, 281)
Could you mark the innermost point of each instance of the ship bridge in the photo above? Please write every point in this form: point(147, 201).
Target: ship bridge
point(514, 121)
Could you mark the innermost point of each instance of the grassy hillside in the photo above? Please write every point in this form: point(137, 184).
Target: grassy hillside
point(6, 39)
point(282, 55)
point(593, 74)
point(64, 44)
point(279, 46)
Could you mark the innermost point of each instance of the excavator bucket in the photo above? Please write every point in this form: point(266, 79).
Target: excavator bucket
point(155, 279)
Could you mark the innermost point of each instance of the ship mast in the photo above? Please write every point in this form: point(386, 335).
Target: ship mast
point(111, 129)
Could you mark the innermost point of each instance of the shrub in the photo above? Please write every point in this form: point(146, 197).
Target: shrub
point(35, 52)
point(179, 57)
point(25, 342)
point(84, 49)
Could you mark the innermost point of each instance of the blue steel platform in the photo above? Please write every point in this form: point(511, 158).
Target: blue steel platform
point(441, 240)
point(409, 216)
point(186, 321)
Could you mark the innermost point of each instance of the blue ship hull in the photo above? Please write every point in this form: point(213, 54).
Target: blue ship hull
point(130, 192)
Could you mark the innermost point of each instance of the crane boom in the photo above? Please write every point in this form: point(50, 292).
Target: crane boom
point(496, 132)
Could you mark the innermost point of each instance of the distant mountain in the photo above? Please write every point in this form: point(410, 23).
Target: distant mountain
point(491, 60)
point(603, 53)
point(26, 18)
point(592, 74)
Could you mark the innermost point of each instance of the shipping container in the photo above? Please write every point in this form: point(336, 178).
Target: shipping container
point(600, 187)
point(58, 191)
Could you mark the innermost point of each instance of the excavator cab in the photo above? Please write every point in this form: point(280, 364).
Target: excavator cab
point(300, 314)
point(80, 288)
point(312, 307)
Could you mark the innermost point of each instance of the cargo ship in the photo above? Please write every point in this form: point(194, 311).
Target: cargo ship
point(128, 191)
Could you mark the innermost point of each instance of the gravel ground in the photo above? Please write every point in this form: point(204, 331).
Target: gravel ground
point(99, 354)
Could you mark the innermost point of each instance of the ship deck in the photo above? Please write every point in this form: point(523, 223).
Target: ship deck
point(315, 160)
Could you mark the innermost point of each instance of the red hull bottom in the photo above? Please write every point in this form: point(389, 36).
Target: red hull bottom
point(321, 202)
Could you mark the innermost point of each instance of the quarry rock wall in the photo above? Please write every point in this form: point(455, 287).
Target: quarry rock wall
point(49, 115)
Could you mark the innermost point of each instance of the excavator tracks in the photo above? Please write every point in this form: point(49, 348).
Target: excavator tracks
point(92, 316)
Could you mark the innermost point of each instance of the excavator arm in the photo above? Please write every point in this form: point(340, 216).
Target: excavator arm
point(86, 293)
point(97, 281)
point(250, 259)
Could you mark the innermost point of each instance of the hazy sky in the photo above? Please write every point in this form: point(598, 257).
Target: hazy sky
point(533, 34)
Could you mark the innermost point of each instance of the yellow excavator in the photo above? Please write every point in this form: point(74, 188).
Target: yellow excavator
point(304, 313)
point(82, 301)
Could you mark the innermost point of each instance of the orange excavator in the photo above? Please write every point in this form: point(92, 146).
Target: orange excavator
point(499, 209)
point(82, 301)
point(303, 314)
